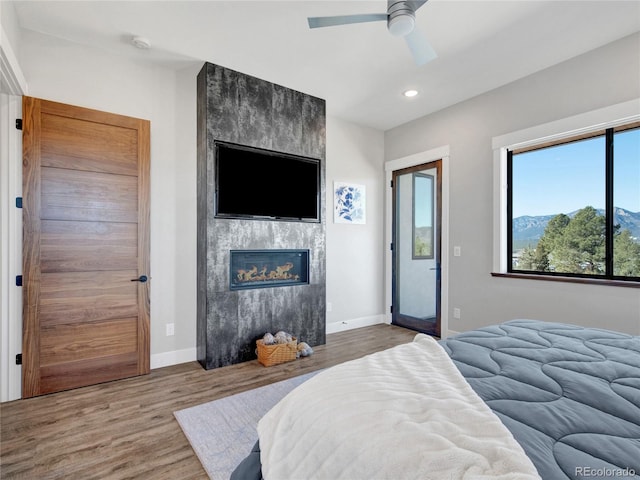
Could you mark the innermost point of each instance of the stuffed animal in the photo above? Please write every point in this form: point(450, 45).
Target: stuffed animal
point(304, 350)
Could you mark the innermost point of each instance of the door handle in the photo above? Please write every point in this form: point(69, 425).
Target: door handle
point(141, 279)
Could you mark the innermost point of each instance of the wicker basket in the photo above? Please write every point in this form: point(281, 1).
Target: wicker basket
point(269, 355)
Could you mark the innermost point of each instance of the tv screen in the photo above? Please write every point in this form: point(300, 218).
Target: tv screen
point(261, 184)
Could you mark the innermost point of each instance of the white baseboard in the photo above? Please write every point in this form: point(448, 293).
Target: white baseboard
point(343, 325)
point(165, 359)
point(451, 332)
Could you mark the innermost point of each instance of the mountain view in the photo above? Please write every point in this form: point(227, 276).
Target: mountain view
point(423, 242)
point(527, 230)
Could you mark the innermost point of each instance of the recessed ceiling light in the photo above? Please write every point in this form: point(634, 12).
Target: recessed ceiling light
point(410, 93)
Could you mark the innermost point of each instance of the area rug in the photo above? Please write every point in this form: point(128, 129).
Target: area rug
point(222, 432)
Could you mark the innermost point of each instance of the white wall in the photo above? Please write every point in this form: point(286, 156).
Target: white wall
point(603, 77)
point(355, 253)
point(9, 21)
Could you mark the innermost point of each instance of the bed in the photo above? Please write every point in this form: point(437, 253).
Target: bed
point(567, 398)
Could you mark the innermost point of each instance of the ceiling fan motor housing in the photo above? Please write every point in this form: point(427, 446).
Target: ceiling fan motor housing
point(401, 17)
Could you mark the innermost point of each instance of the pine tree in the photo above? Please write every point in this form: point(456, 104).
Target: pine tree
point(577, 245)
point(626, 255)
point(527, 259)
point(582, 247)
point(552, 237)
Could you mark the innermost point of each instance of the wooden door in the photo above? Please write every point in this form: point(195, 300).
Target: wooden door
point(85, 247)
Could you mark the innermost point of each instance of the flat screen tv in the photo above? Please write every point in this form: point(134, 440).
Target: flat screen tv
point(262, 184)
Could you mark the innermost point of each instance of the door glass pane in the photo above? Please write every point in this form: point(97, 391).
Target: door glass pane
point(422, 216)
point(416, 266)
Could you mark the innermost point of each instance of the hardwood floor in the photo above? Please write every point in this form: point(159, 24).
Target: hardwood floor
point(126, 429)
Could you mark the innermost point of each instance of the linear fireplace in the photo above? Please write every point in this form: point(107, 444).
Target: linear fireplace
point(268, 268)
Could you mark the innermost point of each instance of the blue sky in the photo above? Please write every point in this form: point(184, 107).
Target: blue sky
point(423, 202)
point(578, 176)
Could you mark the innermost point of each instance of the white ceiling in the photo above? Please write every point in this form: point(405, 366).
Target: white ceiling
point(361, 70)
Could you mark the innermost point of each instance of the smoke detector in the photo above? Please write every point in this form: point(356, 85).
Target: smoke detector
point(141, 42)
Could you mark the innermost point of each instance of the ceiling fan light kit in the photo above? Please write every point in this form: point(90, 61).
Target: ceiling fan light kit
point(401, 22)
point(401, 25)
point(402, 18)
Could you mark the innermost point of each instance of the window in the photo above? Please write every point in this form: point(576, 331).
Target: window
point(422, 216)
point(573, 206)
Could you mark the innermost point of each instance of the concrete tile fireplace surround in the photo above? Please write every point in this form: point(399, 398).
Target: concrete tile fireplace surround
point(232, 312)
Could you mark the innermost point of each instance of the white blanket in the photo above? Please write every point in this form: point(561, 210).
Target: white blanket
point(403, 413)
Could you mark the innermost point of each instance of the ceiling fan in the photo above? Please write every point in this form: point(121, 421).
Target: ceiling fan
point(400, 18)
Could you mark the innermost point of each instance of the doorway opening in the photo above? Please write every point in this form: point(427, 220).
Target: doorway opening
point(417, 247)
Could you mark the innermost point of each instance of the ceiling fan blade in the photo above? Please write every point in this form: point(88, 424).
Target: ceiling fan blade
point(417, 4)
point(421, 50)
point(317, 22)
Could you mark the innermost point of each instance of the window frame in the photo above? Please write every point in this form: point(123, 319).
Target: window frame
point(619, 117)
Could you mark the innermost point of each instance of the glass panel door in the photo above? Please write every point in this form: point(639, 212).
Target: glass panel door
point(416, 248)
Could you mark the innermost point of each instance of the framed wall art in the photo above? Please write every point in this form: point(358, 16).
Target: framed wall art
point(349, 203)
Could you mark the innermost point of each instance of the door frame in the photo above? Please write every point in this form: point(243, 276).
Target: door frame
point(440, 153)
point(11, 218)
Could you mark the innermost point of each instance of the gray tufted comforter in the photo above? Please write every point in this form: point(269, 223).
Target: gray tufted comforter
point(569, 395)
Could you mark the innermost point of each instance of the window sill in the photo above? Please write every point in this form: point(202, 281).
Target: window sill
point(555, 278)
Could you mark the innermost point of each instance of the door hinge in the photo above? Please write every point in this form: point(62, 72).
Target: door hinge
point(19, 359)
point(391, 309)
point(19, 123)
point(18, 280)
point(391, 183)
point(18, 202)
point(391, 246)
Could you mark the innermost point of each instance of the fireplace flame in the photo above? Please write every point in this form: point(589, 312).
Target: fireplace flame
point(254, 275)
